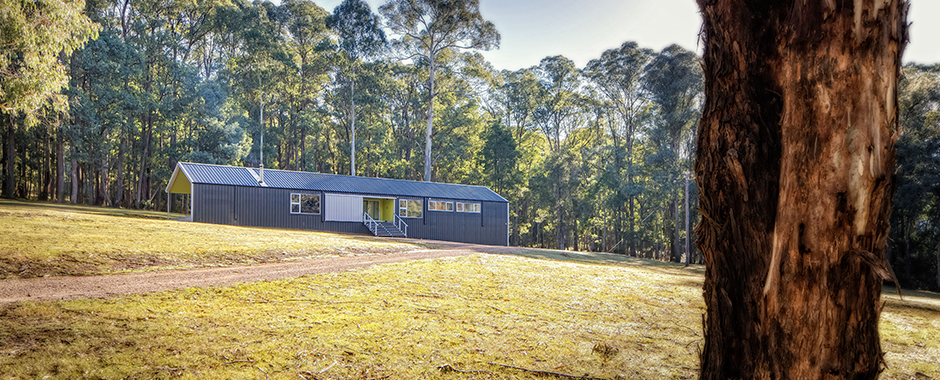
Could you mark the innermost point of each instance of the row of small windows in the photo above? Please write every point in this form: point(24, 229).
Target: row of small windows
point(468, 207)
point(407, 208)
point(440, 206)
point(449, 206)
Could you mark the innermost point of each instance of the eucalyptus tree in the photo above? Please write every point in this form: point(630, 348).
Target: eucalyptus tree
point(260, 57)
point(559, 114)
point(33, 37)
point(360, 37)
point(673, 80)
point(561, 103)
point(618, 74)
point(498, 159)
point(303, 77)
point(522, 95)
point(795, 164)
point(403, 95)
point(916, 216)
point(104, 109)
point(426, 29)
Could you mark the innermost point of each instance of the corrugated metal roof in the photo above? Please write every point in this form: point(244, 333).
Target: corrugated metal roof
point(334, 183)
point(217, 174)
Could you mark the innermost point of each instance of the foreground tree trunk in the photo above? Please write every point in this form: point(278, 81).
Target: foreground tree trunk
point(795, 165)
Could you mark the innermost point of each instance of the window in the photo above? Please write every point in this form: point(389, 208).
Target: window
point(410, 208)
point(440, 206)
point(304, 203)
point(468, 207)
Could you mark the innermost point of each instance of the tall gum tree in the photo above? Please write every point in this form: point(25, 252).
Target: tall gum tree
point(33, 37)
point(429, 27)
point(361, 36)
point(618, 74)
point(795, 164)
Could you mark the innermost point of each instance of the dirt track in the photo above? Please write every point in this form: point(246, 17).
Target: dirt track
point(73, 287)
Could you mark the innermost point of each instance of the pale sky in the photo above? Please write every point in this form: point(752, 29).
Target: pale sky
point(582, 30)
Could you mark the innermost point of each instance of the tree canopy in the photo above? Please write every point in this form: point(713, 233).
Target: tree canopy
point(429, 28)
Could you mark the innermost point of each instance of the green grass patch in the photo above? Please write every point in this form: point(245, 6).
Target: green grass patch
point(42, 239)
point(630, 320)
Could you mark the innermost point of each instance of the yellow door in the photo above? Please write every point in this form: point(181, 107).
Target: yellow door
point(388, 210)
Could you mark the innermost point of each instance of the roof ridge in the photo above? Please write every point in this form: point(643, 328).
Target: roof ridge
point(327, 180)
point(333, 174)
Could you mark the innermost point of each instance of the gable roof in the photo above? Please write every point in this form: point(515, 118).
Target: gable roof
point(332, 183)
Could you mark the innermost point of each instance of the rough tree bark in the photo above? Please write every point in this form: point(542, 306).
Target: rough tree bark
point(795, 165)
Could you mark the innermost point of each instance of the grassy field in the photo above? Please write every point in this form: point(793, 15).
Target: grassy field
point(481, 316)
point(43, 239)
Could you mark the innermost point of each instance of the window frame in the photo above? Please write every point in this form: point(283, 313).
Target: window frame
point(403, 206)
point(297, 199)
point(461, 207)
point(448, 205)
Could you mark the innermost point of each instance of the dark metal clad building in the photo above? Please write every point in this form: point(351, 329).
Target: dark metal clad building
point(328, 202)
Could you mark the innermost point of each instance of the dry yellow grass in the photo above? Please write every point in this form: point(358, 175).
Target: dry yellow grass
point(403, 321)
point(42, 239)
point(631, 320)
point(910, 334)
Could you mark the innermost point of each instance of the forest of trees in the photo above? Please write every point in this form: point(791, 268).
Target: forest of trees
point(591, 158)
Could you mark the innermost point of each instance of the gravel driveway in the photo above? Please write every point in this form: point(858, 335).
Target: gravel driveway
point(73, 287)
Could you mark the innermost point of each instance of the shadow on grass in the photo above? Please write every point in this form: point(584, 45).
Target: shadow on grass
point(691, 276)
point(601, 258)
point(911, 299)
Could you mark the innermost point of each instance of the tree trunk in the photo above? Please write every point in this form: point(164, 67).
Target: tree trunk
point(8, 185)
point(559, 218)
point(427, 142)
point(119, 180)
point(74, 196)
point(669, 229)
point(795, 166)
point(59, 166)
point(352, 123)
point(688, 234)
point(142, 180)
point(908, 266)
point(46, 174)
point(631, 210)
point(24, 182)
point(676, 230)
point(938, 267)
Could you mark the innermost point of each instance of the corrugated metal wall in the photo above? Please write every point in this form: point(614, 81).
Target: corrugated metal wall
point(342, 208)
point(486, 227)
point(267, 207)
point(213, 204)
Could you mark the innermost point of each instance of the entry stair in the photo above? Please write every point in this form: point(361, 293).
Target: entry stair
point(385, 229)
